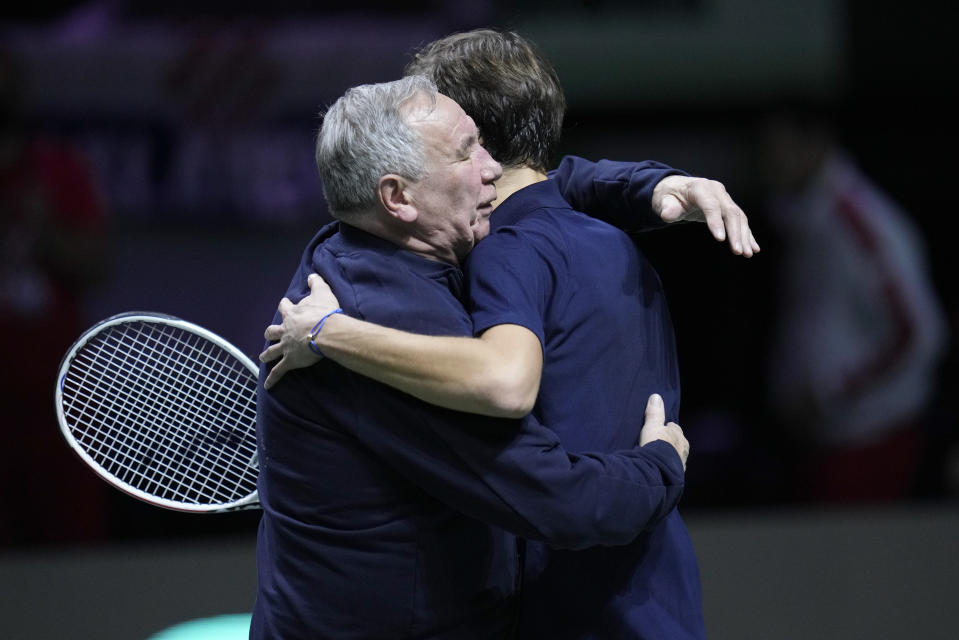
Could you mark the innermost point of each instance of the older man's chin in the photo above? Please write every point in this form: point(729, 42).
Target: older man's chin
point(480, 226)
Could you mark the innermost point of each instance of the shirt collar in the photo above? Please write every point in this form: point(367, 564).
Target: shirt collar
point(543, 194)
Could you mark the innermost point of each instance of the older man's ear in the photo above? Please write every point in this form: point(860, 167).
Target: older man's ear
point(394, 198)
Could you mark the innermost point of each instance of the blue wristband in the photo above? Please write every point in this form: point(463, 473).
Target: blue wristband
point(315, 331)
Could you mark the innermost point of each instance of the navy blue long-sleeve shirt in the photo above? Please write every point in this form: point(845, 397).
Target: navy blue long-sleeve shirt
point(599, 310)
point(383, 516)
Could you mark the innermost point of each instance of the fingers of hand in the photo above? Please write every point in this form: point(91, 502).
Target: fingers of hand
point(707, 195)
point(738, 231)
point(271, 377)
point(273, 332)
point(318, 285)
point(672, 209)
point(271, 353)
point(724, 217)
point(715, 221)
point(679, 441)
point(655, 411)
point(746, 244)
point(751, 241)
point(275, 374)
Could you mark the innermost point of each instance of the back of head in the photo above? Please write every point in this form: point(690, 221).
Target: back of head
point(509, 89)
point(366, 135)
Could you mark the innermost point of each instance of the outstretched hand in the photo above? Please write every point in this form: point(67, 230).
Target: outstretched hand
point(656, 428)
point(678, 198)
point(291, 337)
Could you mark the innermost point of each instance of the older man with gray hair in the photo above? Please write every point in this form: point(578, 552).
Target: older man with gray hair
point(382, 514)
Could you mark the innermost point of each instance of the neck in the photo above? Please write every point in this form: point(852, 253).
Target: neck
point(514, 179)
point(406, 237)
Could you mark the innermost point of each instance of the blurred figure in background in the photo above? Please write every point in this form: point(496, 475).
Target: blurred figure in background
point(52, 247)
point(859, 331)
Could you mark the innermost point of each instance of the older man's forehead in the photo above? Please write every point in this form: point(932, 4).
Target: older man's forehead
point(417, 107)
point(456, 127)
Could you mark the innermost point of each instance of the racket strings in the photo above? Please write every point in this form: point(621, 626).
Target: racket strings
point(181, 392)
point(157, 446)
point(213, 384)
point(186, 361)
point(123, 400)
point(161, 454)
point(185, 401)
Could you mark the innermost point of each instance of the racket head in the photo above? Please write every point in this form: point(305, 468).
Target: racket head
point(163, 410)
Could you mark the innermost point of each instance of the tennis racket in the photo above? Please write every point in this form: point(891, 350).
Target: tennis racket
point(164, 410)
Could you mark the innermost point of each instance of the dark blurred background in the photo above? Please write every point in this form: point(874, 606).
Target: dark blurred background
point(158, 156)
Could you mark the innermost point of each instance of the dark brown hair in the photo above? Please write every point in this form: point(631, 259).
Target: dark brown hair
point(506, 85)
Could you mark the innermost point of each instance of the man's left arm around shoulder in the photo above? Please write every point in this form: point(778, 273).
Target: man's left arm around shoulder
point(642, 196)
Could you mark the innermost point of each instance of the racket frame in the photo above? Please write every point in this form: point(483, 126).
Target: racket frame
point(249, 501)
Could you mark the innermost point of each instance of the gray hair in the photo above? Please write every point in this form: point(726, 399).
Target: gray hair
point(365, 135)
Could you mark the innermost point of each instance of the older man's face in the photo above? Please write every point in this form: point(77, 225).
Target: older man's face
point(454, 200)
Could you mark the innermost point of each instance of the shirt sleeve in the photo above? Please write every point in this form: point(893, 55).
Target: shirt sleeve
point(519, 477)
point(618, 193)
point(511, 279)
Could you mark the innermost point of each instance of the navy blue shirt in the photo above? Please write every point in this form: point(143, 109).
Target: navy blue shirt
point(599, 310)
point(380, 512)
point(619, 193)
